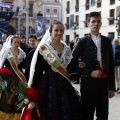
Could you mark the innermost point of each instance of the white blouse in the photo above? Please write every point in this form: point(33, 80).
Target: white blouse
point(19, 58)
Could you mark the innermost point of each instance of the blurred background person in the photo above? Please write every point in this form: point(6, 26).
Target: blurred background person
point(71, 44)
point(117, 64)
point(3, 39)
point(113, 45)
point(32, 41)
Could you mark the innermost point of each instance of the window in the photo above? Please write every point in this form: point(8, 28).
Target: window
point(77, 6)
point(67, 23)
point(112, 2)
point(86, 20)
point(30, 9)
point(48, 21)
point(77, 20)
point(55, 20)
point(68, 7)
point(112, 12)
point(98, 3)
point(92, 2)
point(87, 4)
point(48, 10)
point(55, 10)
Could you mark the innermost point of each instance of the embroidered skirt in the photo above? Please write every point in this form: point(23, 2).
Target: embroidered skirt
point(59, 100)
point(9, 100)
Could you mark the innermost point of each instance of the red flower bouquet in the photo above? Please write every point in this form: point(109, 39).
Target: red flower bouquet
point(32, 94)
point(29, 97)
point(4, 75)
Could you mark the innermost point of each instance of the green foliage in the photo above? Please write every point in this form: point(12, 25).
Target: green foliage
point(4, 76)
point(20, 90)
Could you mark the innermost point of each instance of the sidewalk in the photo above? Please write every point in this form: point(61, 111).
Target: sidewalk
point(114, 105)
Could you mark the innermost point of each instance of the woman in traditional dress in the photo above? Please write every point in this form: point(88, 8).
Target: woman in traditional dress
point(12, 57)
point(58, 98)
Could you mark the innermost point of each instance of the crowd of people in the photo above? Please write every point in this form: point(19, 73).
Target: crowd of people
point(49, 65)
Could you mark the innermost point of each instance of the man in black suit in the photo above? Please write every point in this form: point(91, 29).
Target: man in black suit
point(3, 38)
point(97, 78)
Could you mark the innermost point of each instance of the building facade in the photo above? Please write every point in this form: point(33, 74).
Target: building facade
point(51, 10)
point(76, 12)
point(28, 10)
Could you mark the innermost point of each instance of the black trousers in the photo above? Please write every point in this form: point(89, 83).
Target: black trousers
point(94, 95)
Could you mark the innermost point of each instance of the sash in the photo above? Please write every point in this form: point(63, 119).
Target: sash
point(15, 68)
point(52, 60)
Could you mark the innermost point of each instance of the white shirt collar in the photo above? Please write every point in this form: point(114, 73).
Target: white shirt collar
point(94, 37)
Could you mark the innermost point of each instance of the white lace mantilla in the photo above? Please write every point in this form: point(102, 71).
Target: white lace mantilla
point(19, 58)
point(66, 54)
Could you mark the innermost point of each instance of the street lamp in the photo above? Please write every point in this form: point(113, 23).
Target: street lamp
point(118, 24)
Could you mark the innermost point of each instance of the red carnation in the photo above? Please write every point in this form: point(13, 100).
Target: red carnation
point(5, 71)
point(32, 94)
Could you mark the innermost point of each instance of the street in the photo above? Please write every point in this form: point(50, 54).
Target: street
point(114, 105)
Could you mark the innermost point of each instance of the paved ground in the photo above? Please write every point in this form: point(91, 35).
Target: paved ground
point(114, 106)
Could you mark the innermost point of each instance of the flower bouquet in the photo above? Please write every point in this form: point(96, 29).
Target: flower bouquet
point(29, 98)
point(4, 75)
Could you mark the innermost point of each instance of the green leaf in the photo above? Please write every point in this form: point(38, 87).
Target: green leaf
point(21, 88)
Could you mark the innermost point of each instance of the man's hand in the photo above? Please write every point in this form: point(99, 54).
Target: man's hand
point(96, 73)
point(111, 93)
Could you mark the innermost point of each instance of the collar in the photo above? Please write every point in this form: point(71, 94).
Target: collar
point(94, 37)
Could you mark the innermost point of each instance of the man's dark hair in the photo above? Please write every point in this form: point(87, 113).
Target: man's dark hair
point(93, 14)
point(32, 36)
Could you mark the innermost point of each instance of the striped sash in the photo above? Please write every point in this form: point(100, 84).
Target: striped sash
point(52, 60)
point(15, 68)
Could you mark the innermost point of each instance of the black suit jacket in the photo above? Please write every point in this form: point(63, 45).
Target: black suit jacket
point(86, 50)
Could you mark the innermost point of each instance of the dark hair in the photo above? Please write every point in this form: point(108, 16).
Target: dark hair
point(32, 36)
point(54, 23)
point(93, 14)
point(15, 36)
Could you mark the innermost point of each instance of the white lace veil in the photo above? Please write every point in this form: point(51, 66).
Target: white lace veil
point(5, 49)
point(46, 37)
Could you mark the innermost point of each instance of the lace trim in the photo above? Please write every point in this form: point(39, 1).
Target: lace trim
point(19, 58)
point(66, 55)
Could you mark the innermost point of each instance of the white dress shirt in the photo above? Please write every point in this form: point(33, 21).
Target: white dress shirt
point(97, 41)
